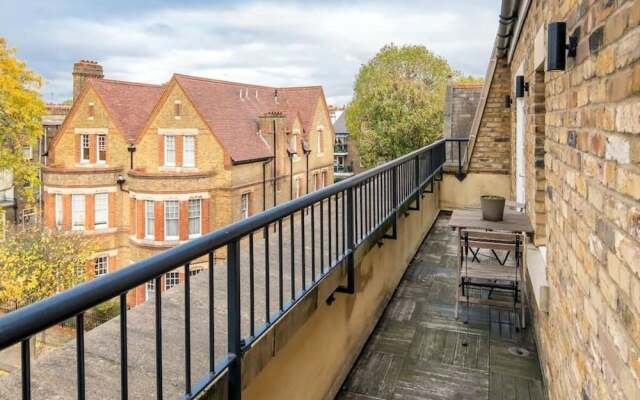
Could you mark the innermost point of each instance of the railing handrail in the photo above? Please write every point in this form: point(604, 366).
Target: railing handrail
point(25, 322)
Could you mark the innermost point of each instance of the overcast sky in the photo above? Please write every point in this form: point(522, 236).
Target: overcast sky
point(270, 43)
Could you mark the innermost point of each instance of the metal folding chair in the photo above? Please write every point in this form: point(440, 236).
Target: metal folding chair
point(499, 277)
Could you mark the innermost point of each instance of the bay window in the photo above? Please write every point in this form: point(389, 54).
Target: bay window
point(171, 219)
point(149, 219)
point(58, 207)
point(77, 212)
point(194, 218)
point(101, 210)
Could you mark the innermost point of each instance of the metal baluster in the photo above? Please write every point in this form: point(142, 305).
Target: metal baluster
point(187, 330)
point(252, 316)
point(329, 258)
point(280, 267)
point(361, 212)
point(313, 243)
point(267, 281)
point(233, 319)
point(344, 223)
point(80, 355)
point(124, 380)
point(337, 225)
point(25, 366)
point(158, 321)
point(304, 263)
point(212, 324)
point(321, 237)
point(293, 259)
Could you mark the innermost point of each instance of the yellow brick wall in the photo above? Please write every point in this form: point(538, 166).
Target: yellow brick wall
point(589, 340)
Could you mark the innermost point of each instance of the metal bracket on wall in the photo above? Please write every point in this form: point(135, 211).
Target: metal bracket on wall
point(394, 228)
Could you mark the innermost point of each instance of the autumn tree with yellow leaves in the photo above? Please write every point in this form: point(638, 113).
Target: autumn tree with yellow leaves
point(37, 262)
point(21, 111)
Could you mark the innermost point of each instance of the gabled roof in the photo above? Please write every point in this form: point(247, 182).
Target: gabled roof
point(128, 103)
point(231, 110)
point(340, 126)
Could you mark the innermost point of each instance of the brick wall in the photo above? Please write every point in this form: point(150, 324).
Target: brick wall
point(582, 153)
point(491, 144)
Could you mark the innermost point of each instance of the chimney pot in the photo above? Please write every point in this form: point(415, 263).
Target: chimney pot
point(83, 70)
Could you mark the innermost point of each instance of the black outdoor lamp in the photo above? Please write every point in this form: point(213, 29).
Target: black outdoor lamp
point(120, 180)
point(131, 149)
point(557, 47)
point(507, 101)
point(521, 86)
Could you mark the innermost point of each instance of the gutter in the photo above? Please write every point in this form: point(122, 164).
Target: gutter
point(508, 16)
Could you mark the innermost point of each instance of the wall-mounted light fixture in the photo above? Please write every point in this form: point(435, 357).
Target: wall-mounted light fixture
point(521, 86)
point(507, 101)
point(120, 180)
point(557, 47)
point(131, 149)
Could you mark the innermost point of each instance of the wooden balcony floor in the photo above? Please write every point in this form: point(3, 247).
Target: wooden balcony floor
point(420, 351)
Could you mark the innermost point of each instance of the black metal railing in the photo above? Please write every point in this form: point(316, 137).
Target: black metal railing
point(340, 148)
point(456, 151)
point(346, 169)
point(325, 228)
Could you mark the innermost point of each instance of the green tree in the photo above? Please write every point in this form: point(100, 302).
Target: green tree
point(37, 262)
point(21, 111)
point(398, 102)
point(469, 79)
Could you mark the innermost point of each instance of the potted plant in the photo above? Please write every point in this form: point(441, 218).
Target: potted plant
point(492, 207)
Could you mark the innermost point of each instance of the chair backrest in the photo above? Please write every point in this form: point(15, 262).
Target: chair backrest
point(478, 239)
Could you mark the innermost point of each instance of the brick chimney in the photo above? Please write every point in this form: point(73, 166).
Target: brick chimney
point(82, 70)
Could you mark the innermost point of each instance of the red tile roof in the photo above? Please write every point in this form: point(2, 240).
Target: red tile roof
point(231, 110)
point(128, 103)
point(233, 117)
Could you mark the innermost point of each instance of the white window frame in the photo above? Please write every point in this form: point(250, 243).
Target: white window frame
point(101, 146)
point(101, 266)
point(27, 152)
point(296, 187)
point(104, 211)
point(85, 144)
point(58, 209)
point(176, 219)
point(149, 219)
point(171, 279)
point(323, 178)
point(244, 205)
point(78, 213)
point(149, 290)
point(188, 151)
point(194, 217)
point(170, 151)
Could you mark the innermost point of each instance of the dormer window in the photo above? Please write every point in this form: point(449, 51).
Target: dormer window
point(170, 151)
point(84, 148)
point(102, 148)
point(91, 110)
point(177, 109)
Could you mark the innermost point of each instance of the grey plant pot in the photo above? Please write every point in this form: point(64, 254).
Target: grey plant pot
point(492, 207)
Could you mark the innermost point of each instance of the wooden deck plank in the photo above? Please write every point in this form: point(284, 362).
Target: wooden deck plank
point(420, 351)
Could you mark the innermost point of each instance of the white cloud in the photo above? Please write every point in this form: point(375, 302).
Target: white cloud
point(265, 43)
